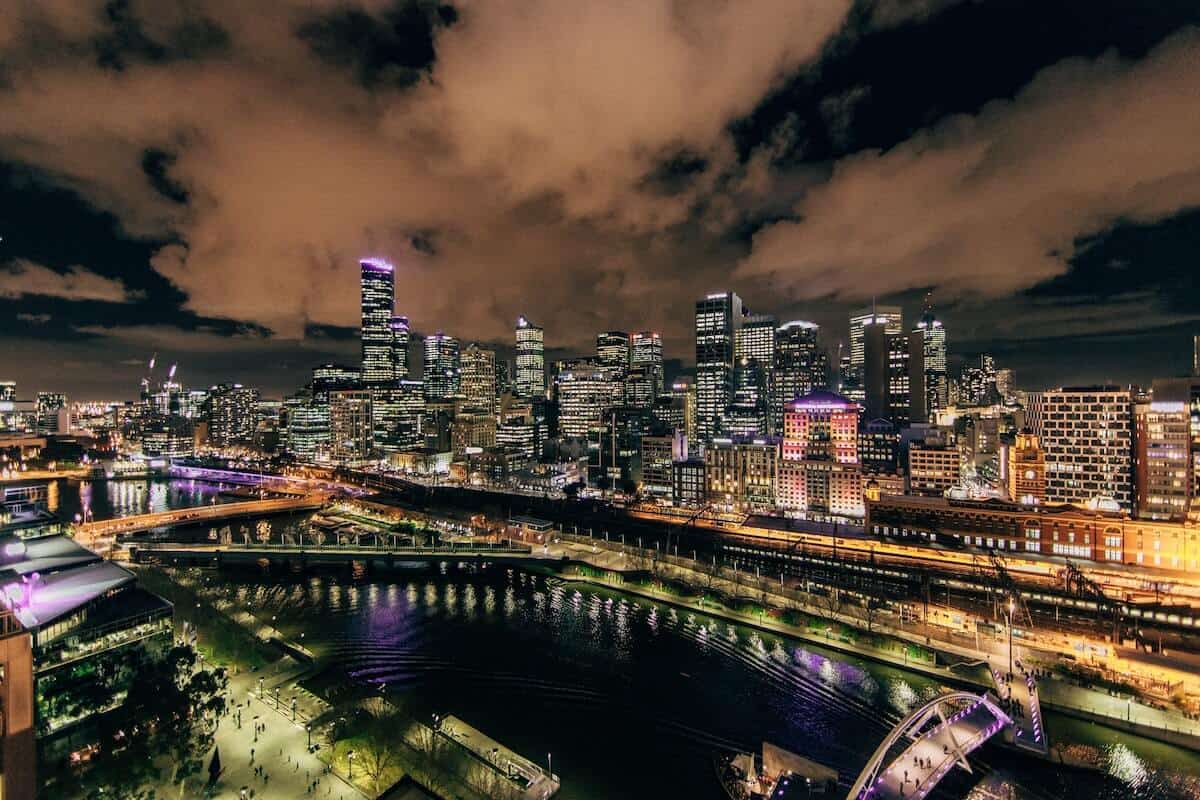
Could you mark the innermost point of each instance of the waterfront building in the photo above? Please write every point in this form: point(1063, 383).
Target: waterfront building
point(718, 317)
point(442, 370)
point(799, 367)
point(1087, 436)
point(659, 454)
point(646, 353)
point(479, 378)
point(350, 425)
point(741, 474)
point(168, 437)
point(531, 360)
point(819, 467)
point(231, 415)
point(1026, 470)
point(1088, 533)
point(396, 413)
point(307, 432)
point(52, 414)
point(378, 292)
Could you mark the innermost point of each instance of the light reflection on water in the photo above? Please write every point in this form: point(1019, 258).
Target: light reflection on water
point(632, 697)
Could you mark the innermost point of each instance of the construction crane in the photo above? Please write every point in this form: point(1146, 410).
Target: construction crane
point(1080, 585)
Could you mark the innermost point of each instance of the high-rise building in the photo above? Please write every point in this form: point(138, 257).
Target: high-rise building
point(231, 415)
point(659, 454)
point(396, 413)
point(612, 350)
point(479, 378)
point(749, 413)
point(798, 369)
point(892, 320)
point(307, 427)
point(718, 317)
point(472, 430)
point(932, 343)
point(400, 338)
point(879, 447)
point(1162, 459)
point(1087, 435)
point(934, 466)
point(350, 425)
point(646, 352)
point(755, 339)
point(1186, 391)
point(741, 474)
point(442, 369)
point(327, 377)
point(819, 467)
point(1196, 355)
point(52, 413)
point(977, 385)
point(531, 360)
point(378, 285)
point(584, 395)
point(640, 387)
point(1026, 470)
point(8, 391)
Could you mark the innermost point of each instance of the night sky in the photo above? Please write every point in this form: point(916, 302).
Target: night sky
point(199, 179)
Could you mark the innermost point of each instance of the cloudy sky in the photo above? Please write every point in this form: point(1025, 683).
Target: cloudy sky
point(198, 178)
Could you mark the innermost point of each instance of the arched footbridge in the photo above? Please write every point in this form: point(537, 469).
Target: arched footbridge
point(927, 744)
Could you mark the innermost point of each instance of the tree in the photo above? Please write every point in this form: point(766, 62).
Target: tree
point(378, 751)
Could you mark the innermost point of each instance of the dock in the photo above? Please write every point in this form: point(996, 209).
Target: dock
point(534, 782)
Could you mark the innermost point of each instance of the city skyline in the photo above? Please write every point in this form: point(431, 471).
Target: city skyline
point(162, 219)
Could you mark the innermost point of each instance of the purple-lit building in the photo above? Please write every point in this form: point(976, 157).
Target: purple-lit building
point(378, 284)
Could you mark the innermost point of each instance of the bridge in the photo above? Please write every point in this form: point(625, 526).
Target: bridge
point(332, 554)
point(939, 734)
point(90, 531)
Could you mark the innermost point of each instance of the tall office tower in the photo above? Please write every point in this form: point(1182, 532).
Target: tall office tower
point(879, 447)
point(646, 351)
point(819, 466)
point(351, 436)
point(307, 427)
point(1025, 470)
point(886, 374)
point(977, 385)
point(1186, 391)
point(749, 414)
point(52, 413)
point(756, 339)
point(531, 360)
point(718, 317)
point(400, 337)
point(231, 415)
point(378, 284)
point(584, 395)
point(1196, 355)
point(640, 387)
point(327, 377)
point(1087, 435)
point(1162, 459)
point(659, 454)
point(1005, 386)
point(612, 349)
point(932, 335)
point(479, 378)
point(892, 319)
point(442, 370)
point(503, 381)
point(8, 391)
point(796, 366)
point(396, 412)
point(741, 474)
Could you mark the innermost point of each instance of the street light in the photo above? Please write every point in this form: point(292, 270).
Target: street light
point(1011, 607)
point(350, 767)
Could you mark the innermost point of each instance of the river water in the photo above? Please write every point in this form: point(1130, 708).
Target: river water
point(629, 698)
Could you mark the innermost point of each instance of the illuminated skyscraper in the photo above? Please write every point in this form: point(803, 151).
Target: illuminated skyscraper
point(854, 379)
point(645, 350)
point(378, 284)
point(1087, 436)
point(531, 360)
point(718, 317)
point(400, 337)
point(933, 343)
point(441, 367)
point(612, 349)
point(479, 377)
point(799, 367)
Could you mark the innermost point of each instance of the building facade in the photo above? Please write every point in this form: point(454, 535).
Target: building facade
point(378, 293)
point(718, 317)
point(530, 378)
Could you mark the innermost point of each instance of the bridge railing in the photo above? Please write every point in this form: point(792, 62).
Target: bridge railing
point(278, 547)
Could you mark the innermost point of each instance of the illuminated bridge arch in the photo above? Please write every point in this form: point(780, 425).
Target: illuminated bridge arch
point(939, 734)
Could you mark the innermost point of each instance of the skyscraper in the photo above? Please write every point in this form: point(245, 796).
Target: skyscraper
point(479, 377)
point(1087, 436)
point(854, 378)
point(819, 470)
point(531, 360)
point(378, 284)
point(933, 346)
point(718, 317)
point(612, 349)
point(231, 415)
point(798, 367)
point(400, 337)
point(646, 350)
point(441, 370)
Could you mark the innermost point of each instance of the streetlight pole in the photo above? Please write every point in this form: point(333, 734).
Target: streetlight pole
point(1011, 608)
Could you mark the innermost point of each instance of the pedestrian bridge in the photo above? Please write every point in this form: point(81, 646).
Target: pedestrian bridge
point(314, 555)
point(89, 531)
point(926, 745)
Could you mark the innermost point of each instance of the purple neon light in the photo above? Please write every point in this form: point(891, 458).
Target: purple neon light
point(376, 263)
